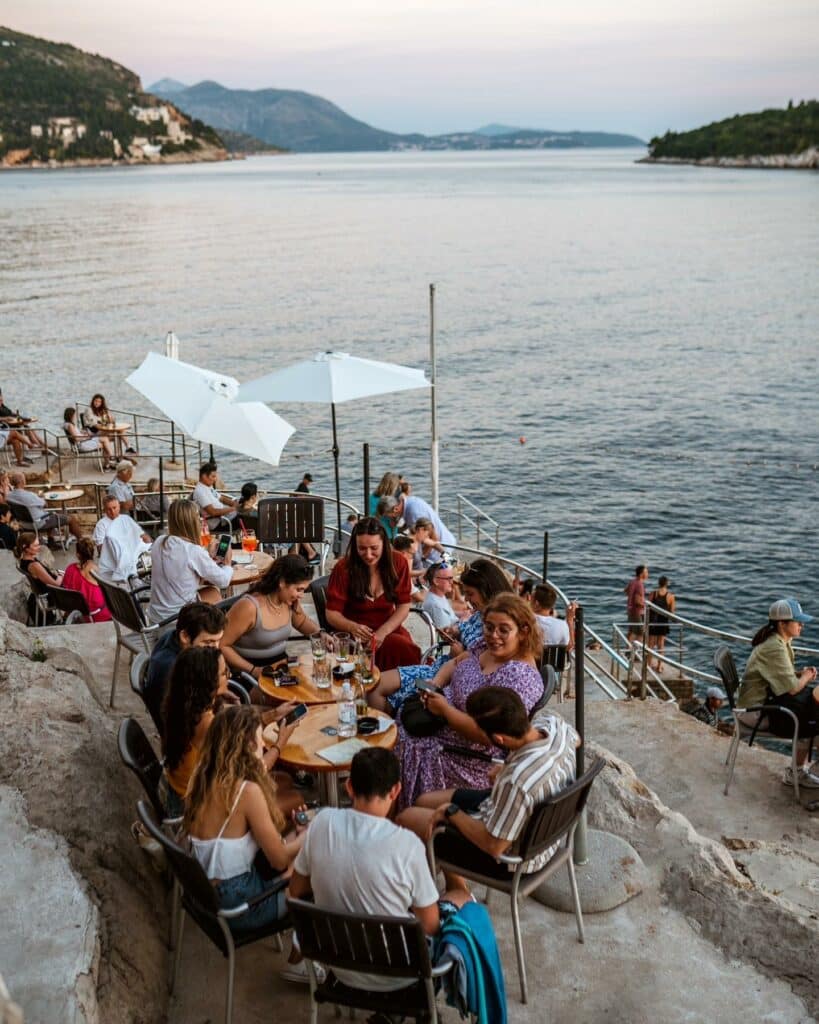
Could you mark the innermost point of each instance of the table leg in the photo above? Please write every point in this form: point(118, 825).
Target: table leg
point(328, 789)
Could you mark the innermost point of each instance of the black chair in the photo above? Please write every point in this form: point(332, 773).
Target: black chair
point(200, 902)
point(395, 947)
point(295, 520)
point(39, 608)
point(318, 592)
point(133, 631)
point(70, 604)
point(23, 516)
point(751, 721)
point(553, 821)
point(556, 655)
point(137, 754)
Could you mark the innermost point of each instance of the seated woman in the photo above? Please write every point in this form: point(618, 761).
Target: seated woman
point(260, 622)
point(247, 507)
point(148, 500)
point(406, 546)
point(430, 550)
point(26, 552)
point(85, 441)
point(482, 581)
point(79, 576)
point(510, 660)
point(387, 488)
point(368, 595)
point(770, 678)
point(98, 420)
point(234, 821)
point(181, 569)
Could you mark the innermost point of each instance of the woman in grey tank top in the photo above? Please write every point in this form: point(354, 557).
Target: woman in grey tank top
point(260, 622)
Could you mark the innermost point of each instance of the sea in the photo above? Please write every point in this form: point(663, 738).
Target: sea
point(626, 353)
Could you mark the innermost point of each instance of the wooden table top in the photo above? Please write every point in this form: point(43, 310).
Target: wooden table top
point(300, 752)
point(305, 691)
point(69, 495)
point(114, 428)
point(250, 572)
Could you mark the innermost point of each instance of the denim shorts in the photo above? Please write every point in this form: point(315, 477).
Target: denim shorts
point(233, 891)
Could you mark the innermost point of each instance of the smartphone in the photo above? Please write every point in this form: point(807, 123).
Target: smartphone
point(426, 687)
point(302, 817)
point(222, 547)
point(292, 659)
point(279, 675)
point(299, 711)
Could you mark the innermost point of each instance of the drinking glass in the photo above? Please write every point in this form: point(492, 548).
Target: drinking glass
point(344, 643)
point(249, 542)
point(321, 674)
point(317, 646)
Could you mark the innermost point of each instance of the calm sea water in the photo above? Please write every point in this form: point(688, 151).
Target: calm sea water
point(650, 331)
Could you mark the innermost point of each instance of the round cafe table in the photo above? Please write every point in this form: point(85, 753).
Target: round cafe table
point(301, 753)
point(249, 572)
point(116, 431)
point(305, 690)
point(63, 496)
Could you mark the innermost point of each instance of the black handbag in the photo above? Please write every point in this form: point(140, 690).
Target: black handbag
point(417, 721)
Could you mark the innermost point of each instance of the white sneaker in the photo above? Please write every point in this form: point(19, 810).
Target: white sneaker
point(297, 973)
point(807, 779)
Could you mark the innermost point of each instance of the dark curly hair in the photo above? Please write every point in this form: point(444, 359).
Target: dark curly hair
point(191, 692)
point(287, 569)
point(487, 578)
point(359, 571)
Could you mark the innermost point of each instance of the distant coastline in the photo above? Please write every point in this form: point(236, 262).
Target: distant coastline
point(808, 160)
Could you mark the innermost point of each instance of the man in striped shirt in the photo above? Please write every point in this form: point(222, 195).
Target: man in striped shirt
point(483, 824)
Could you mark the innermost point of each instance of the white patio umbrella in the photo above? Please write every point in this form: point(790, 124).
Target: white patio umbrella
point(203, 404)
point(332, 377)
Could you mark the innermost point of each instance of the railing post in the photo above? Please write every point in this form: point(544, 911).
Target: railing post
point(478, 531)
point(545, 555)
point(161, 494)
point(184, 459)
point(460, 533)
point(644, 663)
point(173, 441)
point(580, 855)
point(45, 452)
point(136, 432)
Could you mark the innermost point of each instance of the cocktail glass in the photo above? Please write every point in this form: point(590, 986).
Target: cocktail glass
point(249, 542)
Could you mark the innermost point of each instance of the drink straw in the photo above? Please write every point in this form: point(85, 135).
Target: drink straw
point(244, 530)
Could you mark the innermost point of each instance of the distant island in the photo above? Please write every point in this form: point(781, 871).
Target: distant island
point(304, 123)
point(774, 138)
point(60, 106)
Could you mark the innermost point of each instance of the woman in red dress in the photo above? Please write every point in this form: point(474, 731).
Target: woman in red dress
point(368, 595)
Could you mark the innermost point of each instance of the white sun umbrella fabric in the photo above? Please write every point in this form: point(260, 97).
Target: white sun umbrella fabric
point(203, 404)
point(333, 377)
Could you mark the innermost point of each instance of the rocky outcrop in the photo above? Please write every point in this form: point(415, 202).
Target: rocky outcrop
point(702, 879)
point(808, 160)
point(79, 892)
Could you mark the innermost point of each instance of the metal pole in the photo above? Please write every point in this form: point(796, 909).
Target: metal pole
point(580, 854)
point(173, 441)
point(545, 555)
point(433, 399)
point(337, 540)
point(161, 494)
point(644, 663)
point(366, 505)
point(210, 448)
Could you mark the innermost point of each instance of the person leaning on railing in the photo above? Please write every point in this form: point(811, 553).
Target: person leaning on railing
point(770, 678)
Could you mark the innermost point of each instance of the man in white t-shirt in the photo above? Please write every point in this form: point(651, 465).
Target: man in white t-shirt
point(357, 861)
point(212, 504)
point(111, 510)
point(122, 545)
point(554, 631)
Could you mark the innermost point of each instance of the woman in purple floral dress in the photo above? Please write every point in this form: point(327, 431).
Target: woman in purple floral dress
point(513, 647)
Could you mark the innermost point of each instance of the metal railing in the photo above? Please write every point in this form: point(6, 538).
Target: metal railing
point(464, 522)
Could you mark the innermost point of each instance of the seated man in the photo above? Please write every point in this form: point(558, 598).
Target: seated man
point(554, 631)
point(111, 509)
point(440, 579)
point(18, 444)
point(120, 487)
point(483, 824)
point(357, 861)
point(26, 434)
point(124, 543)
point(411, 508)
point(706, 711)
point(198, 625)
point(213, 505)
point(8, 535)
point(40, 516)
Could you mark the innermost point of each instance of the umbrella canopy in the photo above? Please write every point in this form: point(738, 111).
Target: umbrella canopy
point(332, 377)
point(202, 403)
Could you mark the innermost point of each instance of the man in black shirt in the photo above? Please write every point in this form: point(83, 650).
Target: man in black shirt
point(8, 535)
point(304, 486)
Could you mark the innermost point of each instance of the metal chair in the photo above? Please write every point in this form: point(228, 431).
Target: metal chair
point(96, 453)
point(39, 599)
point(138, 755)
point(432, 637)
point(133, 631)
point(556, 655)
point(23, 516)
point(318, 592)
point(199, 902)
point(553, 821)
point(395, 947)
point(751, 721)
point(295, 520)
point(70, 604)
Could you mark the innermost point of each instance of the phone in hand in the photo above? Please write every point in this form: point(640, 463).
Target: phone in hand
point(302, 817)
point(223, 547)
point(299, 711)
point(426, 687)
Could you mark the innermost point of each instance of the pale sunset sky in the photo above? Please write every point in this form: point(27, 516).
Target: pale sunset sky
point(416, 65)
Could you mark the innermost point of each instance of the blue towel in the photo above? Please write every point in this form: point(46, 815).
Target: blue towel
point(470, 932)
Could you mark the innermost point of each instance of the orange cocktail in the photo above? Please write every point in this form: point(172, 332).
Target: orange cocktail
point(249, 542)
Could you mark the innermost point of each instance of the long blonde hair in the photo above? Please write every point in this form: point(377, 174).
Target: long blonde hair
point(228, 758)
point(387, 486)
point(184, 520)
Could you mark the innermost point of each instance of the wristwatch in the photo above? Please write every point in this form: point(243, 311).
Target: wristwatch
point(450, 810)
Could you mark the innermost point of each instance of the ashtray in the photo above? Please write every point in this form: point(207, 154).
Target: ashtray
point(367, 725)
point(343, 670)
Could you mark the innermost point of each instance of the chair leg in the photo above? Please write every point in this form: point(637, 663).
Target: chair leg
point(732, 754)
point(519, 948)
point(176, 907)
point(114, 676)
point(578, 913)
point(178, 954)
point(231, 972)
point(487, 896)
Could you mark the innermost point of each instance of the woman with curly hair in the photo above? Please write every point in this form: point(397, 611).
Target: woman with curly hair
point(234, 821)
point(481, 582)
point(368, 595)
point(197, 688)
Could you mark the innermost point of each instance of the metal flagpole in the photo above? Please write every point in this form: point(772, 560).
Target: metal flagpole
point(337, 541)
point(433, 397)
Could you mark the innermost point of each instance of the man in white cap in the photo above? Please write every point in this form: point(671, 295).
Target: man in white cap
point(706, 711)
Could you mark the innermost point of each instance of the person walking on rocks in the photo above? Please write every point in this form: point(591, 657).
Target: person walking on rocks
point(635, 592)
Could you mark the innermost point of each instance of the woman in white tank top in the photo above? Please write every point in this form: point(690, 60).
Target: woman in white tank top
point(233, 820)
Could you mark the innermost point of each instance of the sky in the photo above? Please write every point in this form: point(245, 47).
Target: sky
point(435, 66)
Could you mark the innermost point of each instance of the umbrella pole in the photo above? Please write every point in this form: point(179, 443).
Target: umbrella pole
point(433, 398)
point(161, 495)
point(337, 540)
